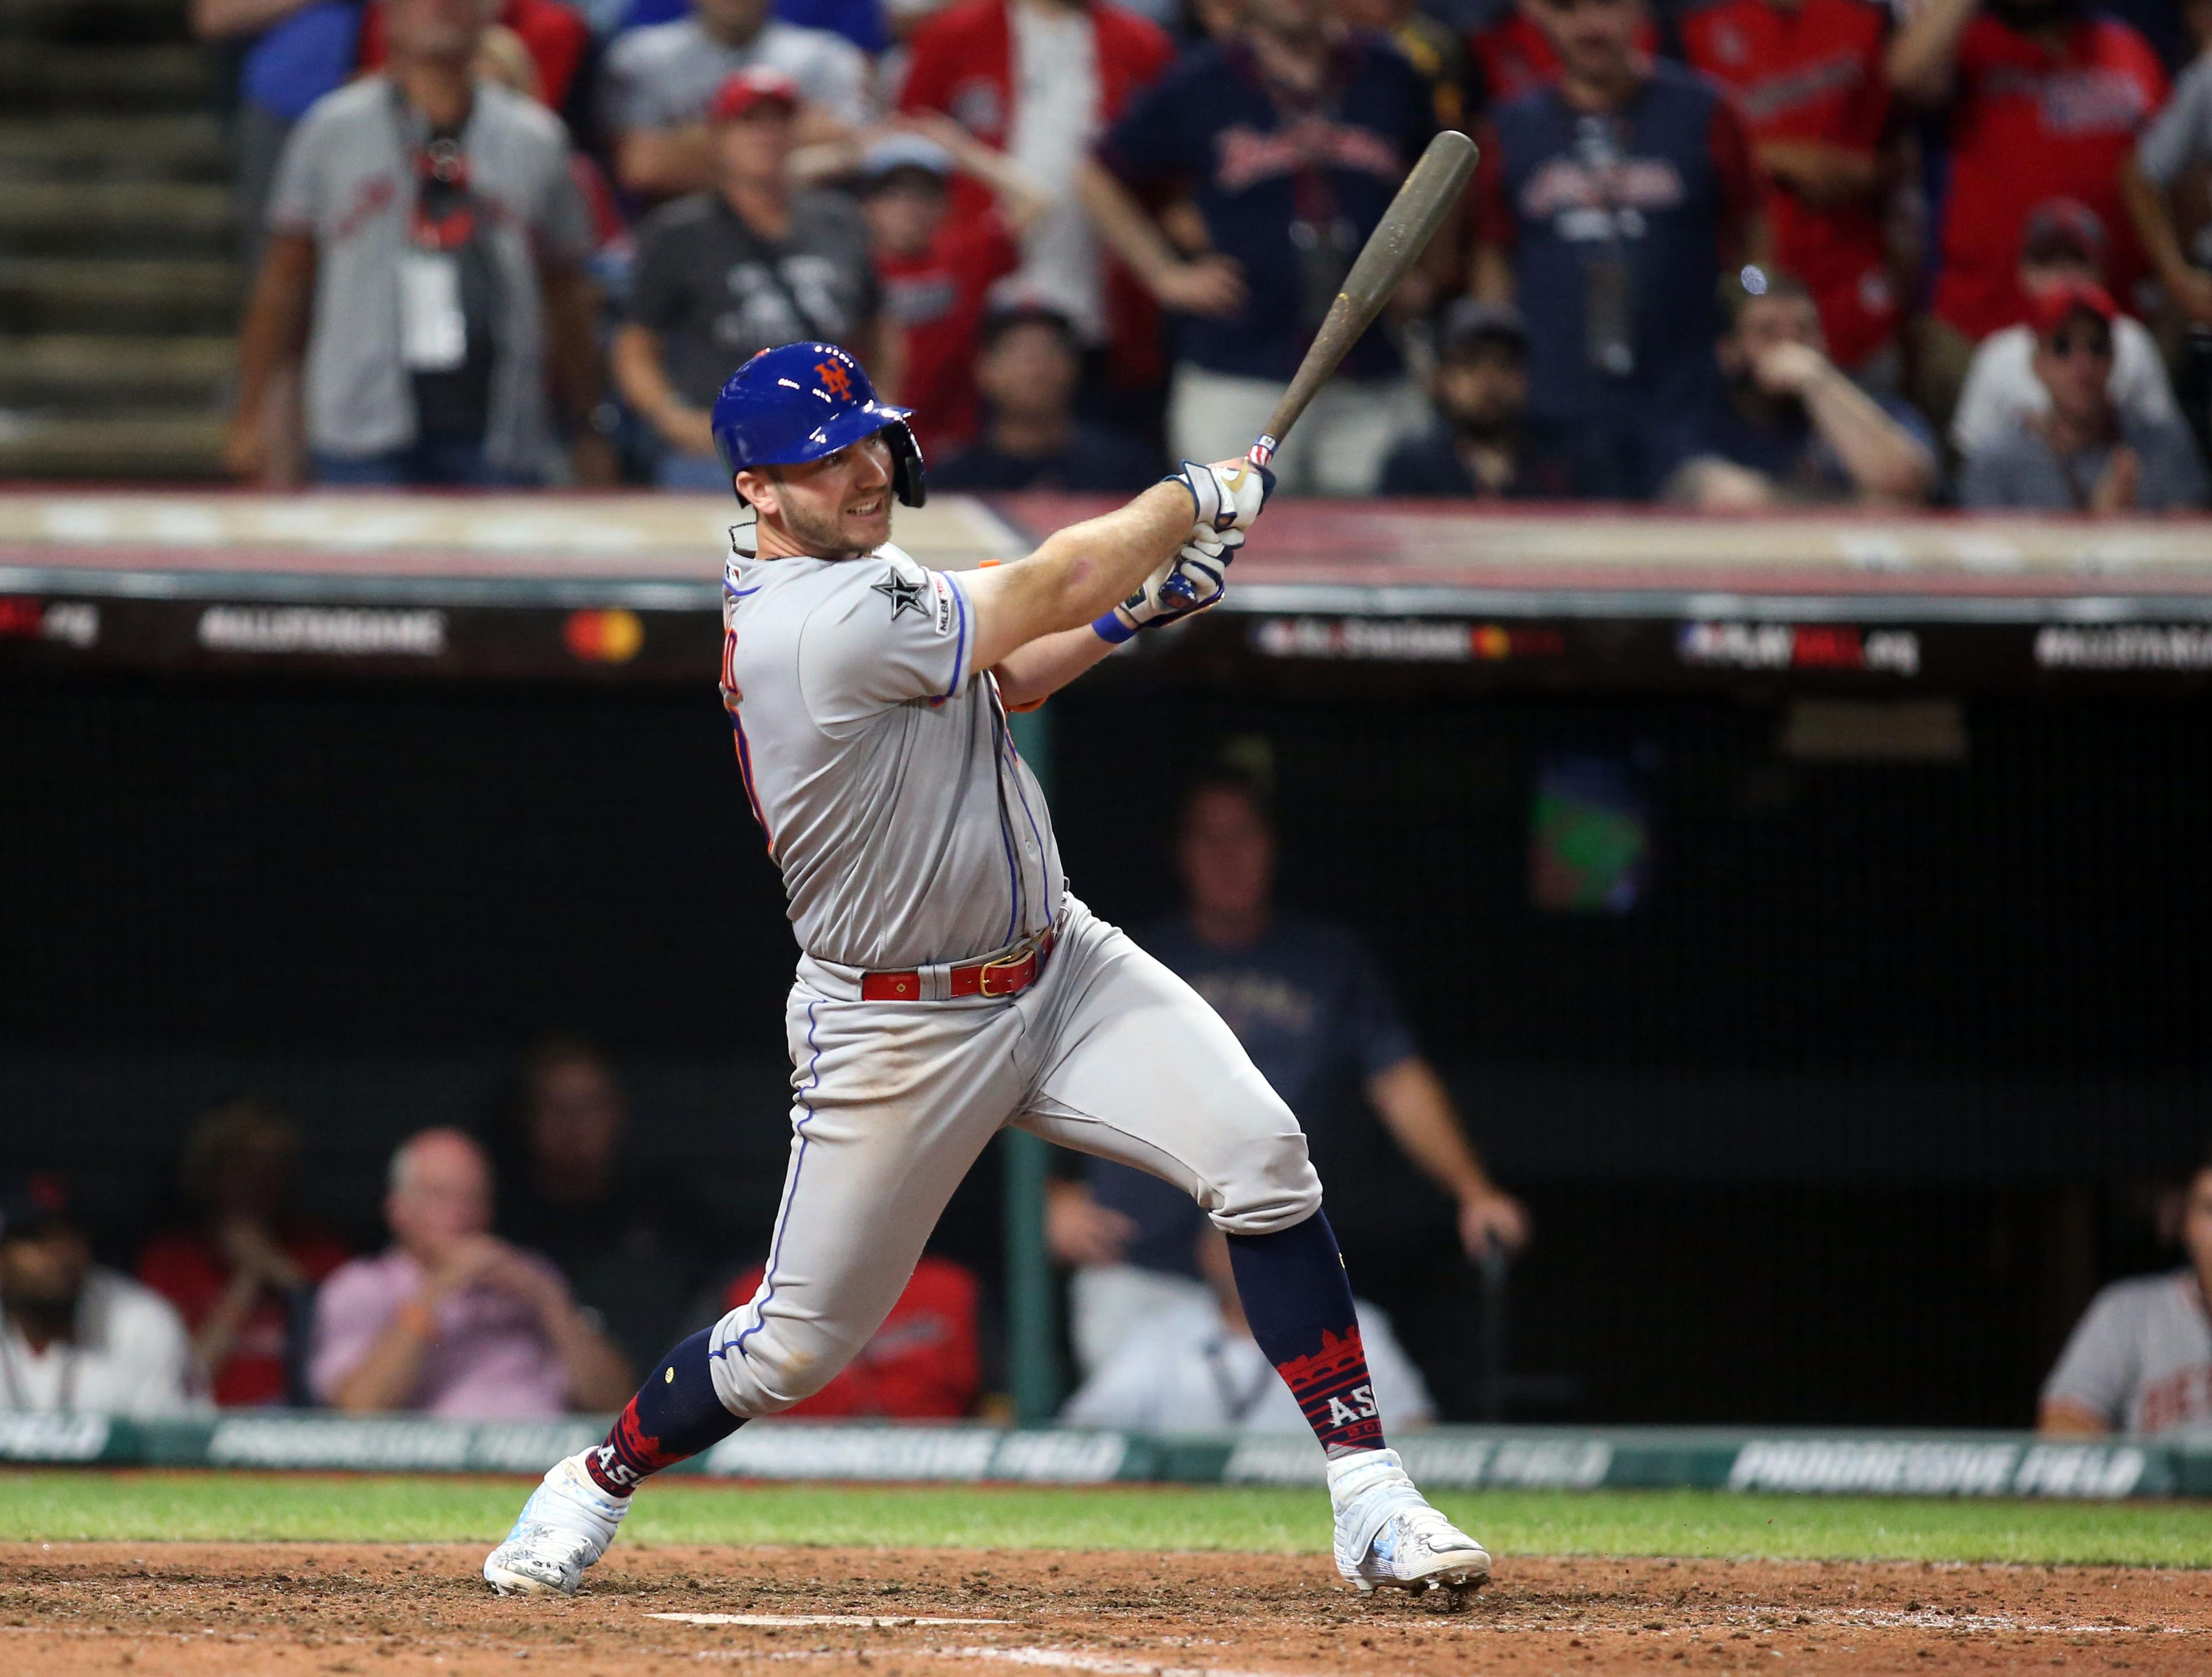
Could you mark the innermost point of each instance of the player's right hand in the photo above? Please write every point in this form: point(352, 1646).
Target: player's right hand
point(1225, 496)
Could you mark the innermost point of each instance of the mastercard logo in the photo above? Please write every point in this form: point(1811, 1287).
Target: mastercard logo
point(604, 637)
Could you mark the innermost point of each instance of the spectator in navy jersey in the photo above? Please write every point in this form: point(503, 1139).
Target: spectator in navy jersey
point(1308, 1003)
point(1289, 139)
point(1611, 202)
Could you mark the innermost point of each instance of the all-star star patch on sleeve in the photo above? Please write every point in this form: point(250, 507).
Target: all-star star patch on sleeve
point(887, 631)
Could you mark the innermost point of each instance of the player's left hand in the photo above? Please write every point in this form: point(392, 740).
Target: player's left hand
point(1195, 579)
point(1491, 1218)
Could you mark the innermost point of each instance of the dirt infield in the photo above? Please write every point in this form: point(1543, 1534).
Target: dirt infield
point(251, 1610)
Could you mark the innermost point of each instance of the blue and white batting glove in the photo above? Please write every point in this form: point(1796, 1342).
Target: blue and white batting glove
point(1228, 496)
point(1193, 580)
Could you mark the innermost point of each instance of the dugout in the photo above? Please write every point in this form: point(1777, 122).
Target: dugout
point(1810, 916)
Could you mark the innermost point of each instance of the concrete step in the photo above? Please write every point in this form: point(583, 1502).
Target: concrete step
point(77, 372)
point(115, 147)
point(160, 446)
point(117, 217)
point(41, 77)
point(41, 295)
point(103, 21)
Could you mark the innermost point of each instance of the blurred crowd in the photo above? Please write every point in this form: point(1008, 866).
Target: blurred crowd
point(1722, 254)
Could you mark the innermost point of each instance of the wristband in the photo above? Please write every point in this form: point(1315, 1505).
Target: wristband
point(1112, 628)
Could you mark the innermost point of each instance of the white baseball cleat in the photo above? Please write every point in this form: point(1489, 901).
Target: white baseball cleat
point(1388, 1534)
point(565, 1526)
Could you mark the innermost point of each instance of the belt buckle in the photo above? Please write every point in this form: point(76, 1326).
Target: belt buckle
point(1007, 963)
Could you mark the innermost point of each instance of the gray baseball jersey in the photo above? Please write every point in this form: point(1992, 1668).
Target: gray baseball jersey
point(2141, 1357)
point(878, 762)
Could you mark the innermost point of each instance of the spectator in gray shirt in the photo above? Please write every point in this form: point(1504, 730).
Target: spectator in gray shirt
point(658, 80)
point(2140, 1360)
point(2178, 139)
point(425, 239)
point(724, 275)
point(2087, 455)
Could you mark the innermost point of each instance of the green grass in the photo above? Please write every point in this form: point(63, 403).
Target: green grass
point(60, 1504)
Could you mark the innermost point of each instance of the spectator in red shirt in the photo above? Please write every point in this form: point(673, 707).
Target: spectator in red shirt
point(1041, 80)
point(922, 1364)
point(244, 1275)
point(557, 36)
point(938, 269)
point(1514, 55)
point(2044, 99)
point(1807, 78)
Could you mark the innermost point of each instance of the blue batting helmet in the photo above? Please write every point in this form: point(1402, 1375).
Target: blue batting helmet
point(798, 401)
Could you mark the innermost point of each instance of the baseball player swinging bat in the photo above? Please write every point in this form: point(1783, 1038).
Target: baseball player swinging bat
point(1388, 256)
point(949, 984)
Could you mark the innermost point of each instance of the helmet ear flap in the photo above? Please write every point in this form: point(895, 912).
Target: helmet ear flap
point(909, 482)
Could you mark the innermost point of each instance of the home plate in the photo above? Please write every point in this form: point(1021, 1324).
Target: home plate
point(875, 1621)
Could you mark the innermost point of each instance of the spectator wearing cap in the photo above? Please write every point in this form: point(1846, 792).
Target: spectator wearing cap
point(73, 1334)
point(425, 243)
point(937, 270)
point(2041, 100)
point(1481, 443)
point(1040, 80)
point(1610, 204)
point(449, 1319)
point(725, 273)
point(243, 1271)
point(2178, 142)
point(658, 84)
point(1291, 139)
point(2085, 454)
point(2063, 244)
point(1789, 426)
point(1807, 77)
point(1032, 439)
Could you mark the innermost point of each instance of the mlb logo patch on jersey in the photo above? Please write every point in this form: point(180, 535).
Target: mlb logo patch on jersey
point(941, 602)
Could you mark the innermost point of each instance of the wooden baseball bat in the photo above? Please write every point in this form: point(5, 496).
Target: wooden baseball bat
point(1390, 252)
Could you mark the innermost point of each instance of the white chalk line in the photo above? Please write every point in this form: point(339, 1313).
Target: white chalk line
point(870, 1620)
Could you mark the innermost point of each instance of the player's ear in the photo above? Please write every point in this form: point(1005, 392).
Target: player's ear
point(759, 490)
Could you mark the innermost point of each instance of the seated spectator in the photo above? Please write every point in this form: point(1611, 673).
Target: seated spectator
point(75, 1336)
point(937, 271)
point(554, 35)
point(924, 1363)
point(1031, 439)
point(1196, 1368)
point(2085, 454)
point(243, 1276)
point(632, 1250)
point(724, 275)
point(1610, 204)
point(1039, 81)
point(2178, 140)
point(451, 1319)
point(658, 84)
point(1807, 77)
point(1511, 51)
point(427, 296)
point(2064, 246)
point(2140, 1360)
point(2042, 98)
point(1790, 427)
point(1294, 113)
point(1482, 442)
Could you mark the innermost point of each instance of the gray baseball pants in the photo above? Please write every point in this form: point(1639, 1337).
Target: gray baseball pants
point(1107, 1053)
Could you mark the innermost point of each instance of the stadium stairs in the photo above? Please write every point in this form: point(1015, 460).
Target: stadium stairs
point(120, 281)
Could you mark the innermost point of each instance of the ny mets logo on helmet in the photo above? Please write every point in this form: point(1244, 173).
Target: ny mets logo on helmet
point(835, 378)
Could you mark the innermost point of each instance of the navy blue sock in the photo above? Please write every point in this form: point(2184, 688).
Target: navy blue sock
point(1298, 1301)
point(674, 1414)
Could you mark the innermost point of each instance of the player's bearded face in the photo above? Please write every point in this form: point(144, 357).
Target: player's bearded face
point(838, 507)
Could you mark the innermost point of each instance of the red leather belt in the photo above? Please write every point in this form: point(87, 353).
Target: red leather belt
point(1001, 976)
